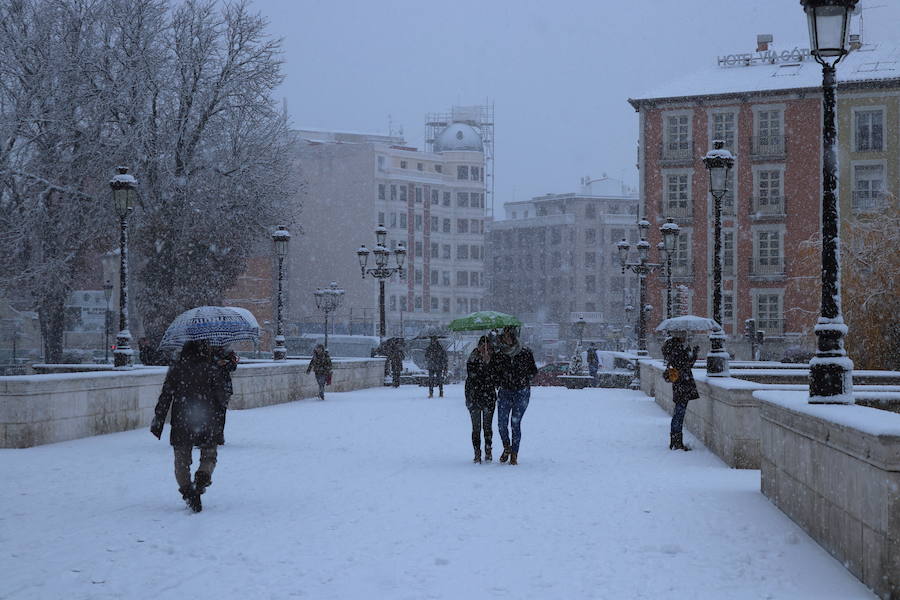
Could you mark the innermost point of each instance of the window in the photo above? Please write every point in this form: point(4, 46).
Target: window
point(462, 252)
point(473, 304)
point(402, 303)
point(475, 200)
point(590, 260)
point(462, 199)
point(769, 139)
point(462, 278)
point(418, 195)
point(434, 224)
point(677, 143)
point(727, 309)
point(381, 220)
point(434, 277)
point(768, 198)
point(446, 305)
point(555, 236)
point(439, 168)
point(476, 173)
point(393, 219)
point(728, 262)
point(475, 278)
point(381, 190)
point(418, 222)
point(728, 202)
point(445, 278)
point(768, 313)
point(446, 200)
point(462, 305)
point(724, 127)
point(590, 283)
point(681, 258)
point(590, 307)
point(418, 276)
point(403, 220)
point(434, 303)
point(418, 249)
point(435, 197)
point(393, 192)
point(446, 251)
point(462, 226)
point(381, 163)
point(590, 236)
point(618, 234)
point(419, 166)
point(393, 305)
point(868, 187)
point(402, 164)
point(475, 252)
point(435, 250)
point(402, 193)
point(767, 253)
point(446, 227)
point(677, 201)
point(462, 172)
point(590, 211)
point(475, 226)
point(868, 127)
point(418, 302)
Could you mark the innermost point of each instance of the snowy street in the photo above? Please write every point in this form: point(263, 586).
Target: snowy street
point(373, 494)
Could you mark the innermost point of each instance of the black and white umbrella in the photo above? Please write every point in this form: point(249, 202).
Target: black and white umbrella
point(218, 325)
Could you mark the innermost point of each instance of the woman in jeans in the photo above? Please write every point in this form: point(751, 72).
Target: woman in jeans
point(676, 354)
point(481, 397)
point(515, 368)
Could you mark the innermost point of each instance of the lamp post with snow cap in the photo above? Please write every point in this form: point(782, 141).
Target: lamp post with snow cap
point(107, 293)
point(328, 300)
point(670, 232)
point(124, 193)
point(718, 162)
point(280, 238)
point(578, 327)
point(830, 371)
point(382, 271)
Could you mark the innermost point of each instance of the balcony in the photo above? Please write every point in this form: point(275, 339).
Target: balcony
point(677, 152)
point(768, 146)
point(769, 269)
point(868, 201)
point(767, 207)
point(678, 210)
point(771, 327)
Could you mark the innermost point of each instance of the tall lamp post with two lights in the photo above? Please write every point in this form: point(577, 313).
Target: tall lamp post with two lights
point(718, 162)
point(124, 193)
point(328, 300)
point(280, 239)
point(831, 370)
point(382, 272)
point(670, 232)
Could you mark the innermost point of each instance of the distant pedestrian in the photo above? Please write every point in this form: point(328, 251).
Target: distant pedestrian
point(395, 358)
point(681, 360)
point(320, 364)
point(436, 360)
point(226, 361)
point(593, 360)
point(194, 392)
point(515, 368)
point(481, 396)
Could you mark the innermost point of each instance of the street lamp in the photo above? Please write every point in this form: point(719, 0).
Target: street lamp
point(831, 370)
point(124, 194)
point(670, 232)
point(280, 238)
point(107, 292)
point(381, 271)
point(328, 300)
point(578, 326)
point(642, 268)
point(718, 162)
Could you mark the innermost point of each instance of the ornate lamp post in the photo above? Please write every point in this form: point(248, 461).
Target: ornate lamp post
point(830, 371)
point(107, 292)
point(578, 327)
point(718, 162)
point(670, 232)
point(124, 193)
point(382, 271)
point(642, 268)
point(328, 300)
point(281, 237)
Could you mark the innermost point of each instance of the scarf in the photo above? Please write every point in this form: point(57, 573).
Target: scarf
point(512, 350)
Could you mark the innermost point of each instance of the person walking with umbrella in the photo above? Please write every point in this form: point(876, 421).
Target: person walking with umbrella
point(515, 368)
point(436, 360)
point(679, 361)
point(481, 397)
point(320, 364)
point(194, 391)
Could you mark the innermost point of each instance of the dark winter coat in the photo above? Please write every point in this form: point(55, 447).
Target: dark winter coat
point(481, 381)
point(194, 390)
point(226, 369)
point(678, 355)
point(320, 364)
point(515, 372)
point(395, 358)
point(593, 359)
point(436, 357)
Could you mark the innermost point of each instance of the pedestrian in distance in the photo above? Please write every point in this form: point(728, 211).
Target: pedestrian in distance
point(679, 362)
point(226, 361)
point(436, 360)
point(194, 392)
point(320, 364)
point(395, 358)
point(515, 368)
point(481, 396)
point(593, 361)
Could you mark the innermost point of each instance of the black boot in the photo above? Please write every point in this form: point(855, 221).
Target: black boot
point(672, 445)
point(202, 480)
point(505, 455)
point(191, 497)
point(487, 453)
point(679, 442)
point(477, 458)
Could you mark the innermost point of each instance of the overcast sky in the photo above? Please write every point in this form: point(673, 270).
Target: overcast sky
point(559, 73)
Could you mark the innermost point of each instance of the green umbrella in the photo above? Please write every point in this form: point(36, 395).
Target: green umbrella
point(485, 319)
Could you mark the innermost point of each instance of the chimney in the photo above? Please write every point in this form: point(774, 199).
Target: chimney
point(855, 41)
point(762, 41)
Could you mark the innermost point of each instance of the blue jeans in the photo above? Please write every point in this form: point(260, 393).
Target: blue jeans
point(678, 416)
point(515, 402)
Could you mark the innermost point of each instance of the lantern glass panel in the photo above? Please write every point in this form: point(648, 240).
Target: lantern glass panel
point(828, 29)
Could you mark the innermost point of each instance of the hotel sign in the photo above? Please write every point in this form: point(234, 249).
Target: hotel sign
point(765, 57)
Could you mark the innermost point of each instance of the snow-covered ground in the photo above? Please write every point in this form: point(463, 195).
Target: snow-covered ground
point(372, 494)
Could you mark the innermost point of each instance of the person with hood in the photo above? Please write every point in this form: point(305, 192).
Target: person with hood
point(677, 356)
point(395, 359)
point(226, 361)
point(515, 368)
point(481, 397)
point(436, 360)
point(320, 364)
point(593, 360)
point(194, 391)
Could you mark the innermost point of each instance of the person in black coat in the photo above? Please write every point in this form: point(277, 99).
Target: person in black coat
point(194, 391)
point(515, 368)
point(395, 359)
point(227, 361)
point(481, 396)
point(436, 360)
point(684, 389)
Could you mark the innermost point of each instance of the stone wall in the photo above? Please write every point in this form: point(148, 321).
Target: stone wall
point(43, 409)
point(835, 470)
